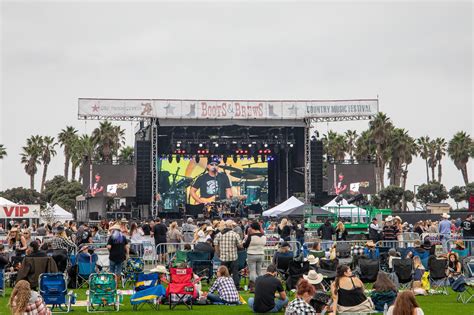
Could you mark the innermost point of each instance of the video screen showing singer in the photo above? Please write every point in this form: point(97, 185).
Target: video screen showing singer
point(212, 185)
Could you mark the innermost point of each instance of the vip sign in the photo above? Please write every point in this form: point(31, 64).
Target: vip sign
point(20, 212)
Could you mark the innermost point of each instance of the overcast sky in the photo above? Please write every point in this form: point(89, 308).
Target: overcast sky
point(417, 57)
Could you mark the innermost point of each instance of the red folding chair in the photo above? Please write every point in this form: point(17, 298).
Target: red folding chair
point(181, 287)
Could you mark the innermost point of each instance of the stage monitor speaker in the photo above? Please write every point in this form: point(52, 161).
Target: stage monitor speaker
point(317, 167)
point(143, 154)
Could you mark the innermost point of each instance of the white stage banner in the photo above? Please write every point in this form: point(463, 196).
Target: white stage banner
point(225, 109)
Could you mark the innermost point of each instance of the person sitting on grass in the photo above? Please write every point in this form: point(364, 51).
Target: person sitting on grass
point(225, 287)
point(454, 266)
point(385, 291)
point(265, 288)
point(405, 304)
point(300, 305)
point(321, 300)
point(24, 301)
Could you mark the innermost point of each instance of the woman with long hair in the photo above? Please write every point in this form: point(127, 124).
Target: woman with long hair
point(284, 229)
point(384, 291)
point(174, 236)
point(23, 301)
point(136, 239)
point(454, 266)
point(17, 242)
point(255, 245)
point(348, 292)
point(200, 235)
point(405, 304)
point(225, 287)
point(341, 232)
point(300, 305)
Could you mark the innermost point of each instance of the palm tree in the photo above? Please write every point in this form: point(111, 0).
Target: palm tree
point(459, 150)
point(48, 151)
point(31, 157)
point(351, 136)
point(432, 161)
point(126, 154)
point(83, 152)
point(402, 149)
point(381, 127)
point(364, 146)
point(440, 148)
point(66, 139)
point(3, 151)
point(424, 150)
point(334, 145)
point(108, 139)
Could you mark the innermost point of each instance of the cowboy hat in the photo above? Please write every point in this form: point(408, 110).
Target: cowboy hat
point(460, 243)
point(312, 260)
point(370, 243)
point(209, 229)
point(159, 269)
point(116, 226)
point(398, 218)
point(445, 216)
point(14, 229)
point(313, 277)
point(389, 218)
point(123, 220)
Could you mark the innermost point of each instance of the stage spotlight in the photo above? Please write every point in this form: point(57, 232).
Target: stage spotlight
point(356, 198)
point(178, 144)
point(249, 157)
point(291, 145)
point(234, 158)
point(266, 145)
point(178, 158)
point(250, 145)
point(200, 145)
point(242, 157)
point(216, 144)
point(197, 158)
point(170, 158)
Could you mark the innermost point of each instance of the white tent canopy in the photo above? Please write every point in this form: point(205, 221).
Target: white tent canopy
point(60, 214)
point(346, 208)
point(289, 204)
point(6, 202)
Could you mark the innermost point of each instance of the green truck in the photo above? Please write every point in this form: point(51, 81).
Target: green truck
point(356, 219)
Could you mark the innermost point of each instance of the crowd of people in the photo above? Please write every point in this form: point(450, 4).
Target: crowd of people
point(223, 239)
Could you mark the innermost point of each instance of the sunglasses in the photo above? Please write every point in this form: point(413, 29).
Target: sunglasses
point(213, 164)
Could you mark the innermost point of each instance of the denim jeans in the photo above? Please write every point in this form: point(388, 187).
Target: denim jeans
point(214, 298)
point(279, 304)
point(255, 266)
point(115, 267)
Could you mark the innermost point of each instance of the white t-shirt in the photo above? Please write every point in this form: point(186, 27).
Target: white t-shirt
point(418, 311)
point(202, 236)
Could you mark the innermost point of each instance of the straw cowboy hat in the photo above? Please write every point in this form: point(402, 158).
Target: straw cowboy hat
point(389, 218)
point(209, 229)
point(445, 216)
point(312, 260)
point(398, 218)
point(116, 226)
point(159, 269)
point(313, 277)
point(123, 220)
point(460, 243)
point(370, 244)
point(14, 229)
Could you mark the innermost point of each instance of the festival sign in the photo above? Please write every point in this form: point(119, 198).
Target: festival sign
point(225, 109)
point(19, 212)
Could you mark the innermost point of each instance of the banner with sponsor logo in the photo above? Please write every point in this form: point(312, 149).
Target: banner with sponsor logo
point(20, 212)
point(225, 109)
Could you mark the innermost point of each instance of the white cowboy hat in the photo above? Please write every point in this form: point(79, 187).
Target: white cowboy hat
point(398, 218)
point(209, 229)
point(445, 216)
point(389, 218)
point(116, 226)
point(312, 260)
point(159, 269)
point(313, 277)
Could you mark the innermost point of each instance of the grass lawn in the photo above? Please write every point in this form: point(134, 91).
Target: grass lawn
point(431, 305)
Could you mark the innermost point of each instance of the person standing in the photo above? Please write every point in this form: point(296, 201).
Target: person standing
point(374, 231)
point(468, 232)
point(118, 251)
point(284, 230)
point(265, 288)
point(341, 233)
point(326, 231)
point(227, 242)
point(159, 234)
point(188, 230)
point(255, 244)
point(444, 229)
point(389, 230)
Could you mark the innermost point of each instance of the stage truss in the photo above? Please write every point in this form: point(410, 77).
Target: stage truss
point(309, 123)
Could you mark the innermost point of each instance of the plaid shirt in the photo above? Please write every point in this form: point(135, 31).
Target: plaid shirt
point(226, 289)
point(299, 307)
point(227, 241)
point(36, 308)
point(62, 243)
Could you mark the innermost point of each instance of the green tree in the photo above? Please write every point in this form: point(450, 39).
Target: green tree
point(83, 151)
point(23, 195)
point(402, 149)
point(30, 156)
point(469, 188)
point(126, 154)
point(65, 196)
point(334, 145)
point(440, 151)
point(108, 139)
point(365, 146)
point(48, 151)
point(458, 193)
point(424, 150)
point(3, 151)
point(351, 137)
point(459, 150)
point(433, 192)
point(66, 138)
point(381, 129)
point(391, 196)
point(52, 185)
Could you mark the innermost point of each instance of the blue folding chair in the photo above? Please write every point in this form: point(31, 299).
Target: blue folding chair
point(53, 289)
point(148, 291)
point(86, 265)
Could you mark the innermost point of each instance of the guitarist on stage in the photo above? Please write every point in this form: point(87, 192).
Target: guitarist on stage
point(212, 185)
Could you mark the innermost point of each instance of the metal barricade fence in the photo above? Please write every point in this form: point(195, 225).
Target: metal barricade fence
point(468, 247)
point(166, 252)
point(272, 247)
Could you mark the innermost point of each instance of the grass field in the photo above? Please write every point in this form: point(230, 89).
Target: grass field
point(431, 305)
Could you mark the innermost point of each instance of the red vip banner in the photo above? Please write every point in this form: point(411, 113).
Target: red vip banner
point(20, 212)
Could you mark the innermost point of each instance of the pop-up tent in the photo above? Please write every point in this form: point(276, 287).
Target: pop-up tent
point(286, 205)
point(345, 210)
point(304, 209)
point(60, 214)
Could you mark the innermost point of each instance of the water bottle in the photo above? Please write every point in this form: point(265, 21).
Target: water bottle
point(385, 309)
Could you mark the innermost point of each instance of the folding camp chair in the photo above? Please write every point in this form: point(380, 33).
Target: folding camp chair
point(102, 293)
point(424, 257)
point(282, 263)
point(53, 290)
point(368, 270)
point(403, 268)
point(468, 266)
point(181, 288)
point(148, 291)
point(438, 279)
point(328, 268)
point(179, 257)
point(317, 253)
point(201, 263)
point(464, 291)
point(296, 270)
point(133, 267)
point(86, 265)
